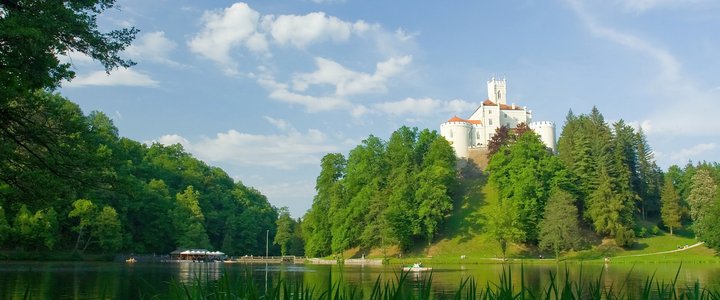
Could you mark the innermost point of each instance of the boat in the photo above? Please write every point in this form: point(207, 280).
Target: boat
point(416, 268)
point(130, 260)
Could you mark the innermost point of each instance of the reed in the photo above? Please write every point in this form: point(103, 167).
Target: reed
point(400, 287)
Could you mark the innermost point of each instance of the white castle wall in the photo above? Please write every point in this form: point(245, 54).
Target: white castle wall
point(459, 135)
point(546, 130)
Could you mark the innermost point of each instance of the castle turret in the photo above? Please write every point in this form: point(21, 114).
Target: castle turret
point(497, 90)
point(546, 131)
point(459, 133)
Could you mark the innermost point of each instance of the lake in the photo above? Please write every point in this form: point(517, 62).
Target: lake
point(88, 280)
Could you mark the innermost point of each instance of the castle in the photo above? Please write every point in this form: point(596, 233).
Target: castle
point(473, 134)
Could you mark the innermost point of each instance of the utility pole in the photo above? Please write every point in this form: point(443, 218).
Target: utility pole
point(267, 240)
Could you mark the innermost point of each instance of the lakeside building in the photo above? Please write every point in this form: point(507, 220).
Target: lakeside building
point(469, 137)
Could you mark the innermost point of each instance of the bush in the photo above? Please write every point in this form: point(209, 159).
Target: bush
point(656, 230)
point(625, 237)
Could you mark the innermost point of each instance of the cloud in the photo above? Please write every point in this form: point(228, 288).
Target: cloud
point(153, 46)
point(345, 81)
point(118, 77)
point(76, 59)
point(683, 155)
point(303, 30)
point(348, 82)
point(289, 149)
point(223, 30)
point(424, 107)
point(643, 5)
point(679, 102)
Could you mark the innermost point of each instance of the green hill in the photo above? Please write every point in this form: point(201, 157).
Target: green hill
point(463, 236)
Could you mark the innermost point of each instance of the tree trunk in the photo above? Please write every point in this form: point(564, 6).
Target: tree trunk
point(77, 242)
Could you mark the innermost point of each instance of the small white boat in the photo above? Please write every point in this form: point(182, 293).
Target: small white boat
point(130, 260)
point(416, 268)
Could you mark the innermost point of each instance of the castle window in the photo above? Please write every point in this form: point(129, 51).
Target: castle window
point(451, 134)
point(489, 121)
point(499, 95)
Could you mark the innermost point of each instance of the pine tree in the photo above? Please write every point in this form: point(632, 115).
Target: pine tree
point(671, 212)
point(559, 228)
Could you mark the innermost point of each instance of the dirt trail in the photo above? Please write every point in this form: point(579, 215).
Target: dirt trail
point(663, 252)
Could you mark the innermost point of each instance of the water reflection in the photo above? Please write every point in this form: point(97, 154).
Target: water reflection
point(189, 272)
point(130, 281)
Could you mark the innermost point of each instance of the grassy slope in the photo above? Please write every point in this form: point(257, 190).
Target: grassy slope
point(463, 235)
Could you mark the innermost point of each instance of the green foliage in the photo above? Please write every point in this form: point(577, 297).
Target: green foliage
point(524, 173)
point(386, 193)
point(189, 221)
point(670, 211)
point(285, 229)
point(701, 200)
point(108, 230)
point(34, 33)
point(559, 228)
point(5, 229)
point(504, 224)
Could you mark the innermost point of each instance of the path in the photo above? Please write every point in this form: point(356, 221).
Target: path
point(663, 252)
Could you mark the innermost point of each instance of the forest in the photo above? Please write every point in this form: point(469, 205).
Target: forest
point(69, 182)
point(602, 181)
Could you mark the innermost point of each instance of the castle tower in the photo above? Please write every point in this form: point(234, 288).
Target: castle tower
point(459, 133)
point(546, 131)
point(497, 90)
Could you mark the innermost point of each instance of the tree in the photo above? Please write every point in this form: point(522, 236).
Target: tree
point(34, 32)
point(605, 209)
point(189, 220)
point(5, 229)
point(524, 175)
point(499, 139)
point(108, 230)
point(84, 210)
point(316, 226)
point(702, 194)
point(504, 225)
point(559, 228)
point(285, 228)
point(671, 212)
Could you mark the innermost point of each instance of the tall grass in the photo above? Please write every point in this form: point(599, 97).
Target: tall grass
point(401, 287)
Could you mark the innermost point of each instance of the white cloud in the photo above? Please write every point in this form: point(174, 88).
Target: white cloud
point(348, 82)
point(223, 30)
point(683, 155)
point(679, 102)
point(301, 31)
point(288, 150)
point(118, 77)
point(172, 139)
point(76, 58)
point(643, 5)
point(153, 46)
point(241, 26)
point(278, 123)
point(424, 107)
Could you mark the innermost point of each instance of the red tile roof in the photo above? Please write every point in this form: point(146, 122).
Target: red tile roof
point(458, 119)
point(502, 106)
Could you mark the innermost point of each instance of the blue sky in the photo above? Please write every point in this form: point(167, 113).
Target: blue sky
point(265, 89)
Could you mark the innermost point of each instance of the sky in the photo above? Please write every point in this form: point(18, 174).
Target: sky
point(264, 89)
